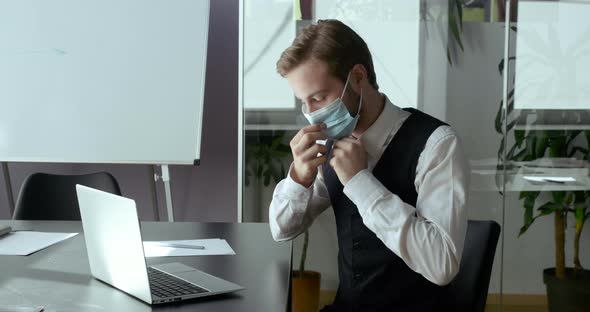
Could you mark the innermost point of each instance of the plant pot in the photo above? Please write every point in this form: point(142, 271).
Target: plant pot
point(305, 291)
point(570, 293)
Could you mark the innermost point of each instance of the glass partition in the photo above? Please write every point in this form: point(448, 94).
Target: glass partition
point(516, 94)
point(546, 123)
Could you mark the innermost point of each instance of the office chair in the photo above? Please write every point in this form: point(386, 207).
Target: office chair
point(46, 196)
point(469, 289)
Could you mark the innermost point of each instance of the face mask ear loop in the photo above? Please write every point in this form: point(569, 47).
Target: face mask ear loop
point(345, 84)
point(360, 103)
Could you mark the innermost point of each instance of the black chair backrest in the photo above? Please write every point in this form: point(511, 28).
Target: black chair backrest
point(46, 196)
point(469, 289)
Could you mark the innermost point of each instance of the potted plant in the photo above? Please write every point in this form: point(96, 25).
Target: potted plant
point(265, 156)
point(452, 19)
point(306, 284)
point(567, 287)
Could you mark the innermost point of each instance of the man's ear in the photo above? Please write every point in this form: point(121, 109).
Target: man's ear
point(358, 77)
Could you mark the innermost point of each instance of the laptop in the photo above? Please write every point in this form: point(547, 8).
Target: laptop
point(116, 257)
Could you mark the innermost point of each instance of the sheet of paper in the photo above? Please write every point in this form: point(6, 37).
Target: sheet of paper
point(550, 179)
point(24, 243)
point(213, 246)
point(20, 309)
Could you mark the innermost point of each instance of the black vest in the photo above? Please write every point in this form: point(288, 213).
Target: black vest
point(372, 277)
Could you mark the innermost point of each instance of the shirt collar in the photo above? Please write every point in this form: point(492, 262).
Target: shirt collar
point(376, 136)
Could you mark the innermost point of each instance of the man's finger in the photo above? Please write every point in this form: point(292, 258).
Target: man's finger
point(337, 152)
point(313, 151)
point(308, 140)
point(350, 140)
point(319, 161)
point(311, 138)
point(308, 129)
point(342, 144)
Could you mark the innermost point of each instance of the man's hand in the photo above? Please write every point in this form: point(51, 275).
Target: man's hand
point(305, 154)
point(348, 158)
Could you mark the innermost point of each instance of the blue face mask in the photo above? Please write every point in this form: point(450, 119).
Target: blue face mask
point(339, 123)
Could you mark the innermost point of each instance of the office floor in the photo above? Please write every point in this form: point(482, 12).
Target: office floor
point(516, 308)
point(512, 303)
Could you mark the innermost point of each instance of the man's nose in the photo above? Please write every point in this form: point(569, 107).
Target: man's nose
point(310, 108)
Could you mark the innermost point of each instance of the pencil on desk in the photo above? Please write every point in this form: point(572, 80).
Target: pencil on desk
point(180, 245)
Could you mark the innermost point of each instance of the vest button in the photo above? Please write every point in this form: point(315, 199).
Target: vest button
point(357, 276)
point(356, 245)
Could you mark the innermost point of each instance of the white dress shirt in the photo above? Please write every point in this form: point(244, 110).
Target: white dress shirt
point(429, 237)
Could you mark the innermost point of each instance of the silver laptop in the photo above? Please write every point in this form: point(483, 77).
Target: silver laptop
point(116, 256)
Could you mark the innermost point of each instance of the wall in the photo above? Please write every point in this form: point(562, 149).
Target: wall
point(204, 193)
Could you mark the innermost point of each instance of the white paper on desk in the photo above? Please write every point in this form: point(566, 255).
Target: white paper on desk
point(24, 243)
point(213, 246)
point(549, 179)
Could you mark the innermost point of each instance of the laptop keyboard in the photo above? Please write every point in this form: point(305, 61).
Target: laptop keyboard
point(165, 285)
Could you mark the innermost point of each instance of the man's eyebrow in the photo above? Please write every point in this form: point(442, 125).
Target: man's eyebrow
point(316, 93)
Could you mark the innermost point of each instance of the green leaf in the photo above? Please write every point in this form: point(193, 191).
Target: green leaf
point(580, 198)
point(529, 203)
point(259, 171)
point(569, 198)
point(520, 155)
point(501, 150)
point(510, 154)
point(501, 64)
point(541, 146)
point(531, 144)
point(459, 5)
point(267, 174)
point(279, 154)
point(510, 107)
point(449, 56)
point(284, 148)
point(558, 196)
point(273, 171)
point(276, 141)
point(510, 96)
point(523, 229)
point(557, 147)
point(579, 212)
point(547, 208)
point(455, 30)
point(498, 121)
point(510, 125)
point(519, 137)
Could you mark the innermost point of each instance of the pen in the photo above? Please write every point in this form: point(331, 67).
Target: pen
point(180, 245)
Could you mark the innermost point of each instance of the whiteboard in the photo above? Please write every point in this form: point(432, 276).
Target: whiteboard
point(102, 81)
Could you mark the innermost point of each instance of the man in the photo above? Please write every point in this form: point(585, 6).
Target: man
point(396, 179)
